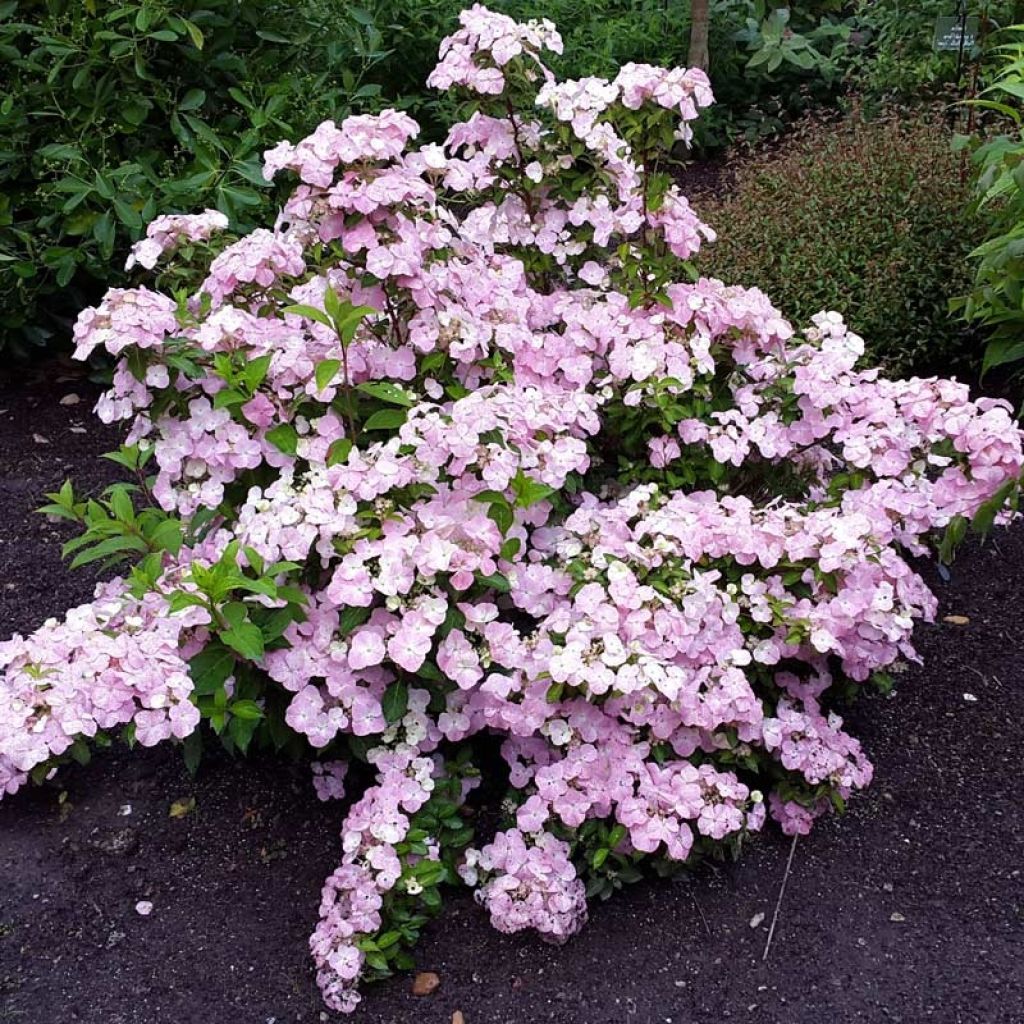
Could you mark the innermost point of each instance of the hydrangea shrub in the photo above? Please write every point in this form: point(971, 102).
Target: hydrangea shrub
point(460, 449)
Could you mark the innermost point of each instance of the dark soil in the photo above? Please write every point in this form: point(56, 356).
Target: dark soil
point(909, 908)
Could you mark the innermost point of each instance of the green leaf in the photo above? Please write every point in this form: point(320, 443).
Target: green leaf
point(351, 619)
point(338, 451)
point(429, 872)
point(310, 313)
point(529, 491)
point(348, 319)
point(495, 581)
point(333, 304)
point(428, 670)
point(192, 748)
point(1001, 351)
point(501, 513)
point(110, 547)
point(385, 419)
point(192, 100)
point(227, 397)
point(256, 370)
point(396, 701)
point(325, 372)
point(387, 392)
point(128, 215)
point(510, 548)
point(246, 639)
point(616, 835)
point(241, 732)
point(121, 505)
point(80, 752)
point(247, 709)
point(254, 558)
point(284, 437)
point(194, 33)
point(210, 669)
point(103, 232)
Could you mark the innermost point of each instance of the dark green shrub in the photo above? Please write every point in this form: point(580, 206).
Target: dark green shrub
point(894, 57)
point(996, 299)
point(863, 216)
point(115, 112)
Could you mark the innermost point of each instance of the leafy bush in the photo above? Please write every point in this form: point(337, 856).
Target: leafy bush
point(895, 59)
point(451, 452)
point(864, 214)
point(997, 297)
point(115, 112)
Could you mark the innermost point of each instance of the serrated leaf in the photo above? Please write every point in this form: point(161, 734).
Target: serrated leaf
point(246, 639)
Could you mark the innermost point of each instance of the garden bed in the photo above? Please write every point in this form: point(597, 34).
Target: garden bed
point(908, 908)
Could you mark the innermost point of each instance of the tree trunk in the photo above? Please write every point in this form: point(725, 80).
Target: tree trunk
point(698, 57)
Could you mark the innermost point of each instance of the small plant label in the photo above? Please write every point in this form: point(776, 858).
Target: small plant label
point(951, 33)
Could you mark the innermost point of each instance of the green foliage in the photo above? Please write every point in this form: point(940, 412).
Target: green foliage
point(112, 530)
point(997, 297)
point(114, 113)
point(865, 216)
point(894, 57)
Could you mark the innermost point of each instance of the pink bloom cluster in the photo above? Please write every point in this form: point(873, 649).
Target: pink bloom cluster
point(459, 390)
point(684, 90)
point(487, 41)
point(528, 882)
point(358, 138)
point(329, 779)
point(126, 318)
point(198, 455)
point(258, 260)
point(166, 233)
point(113, 662)
point(353, 895)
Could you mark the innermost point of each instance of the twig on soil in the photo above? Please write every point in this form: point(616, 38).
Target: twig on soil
point(778, 902)
point(693, 897)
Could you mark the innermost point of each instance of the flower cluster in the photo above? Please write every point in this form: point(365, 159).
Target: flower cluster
point(353, 895)
point(456, 453)
point(113, 662)
point(528, 882)
point(166, 233)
